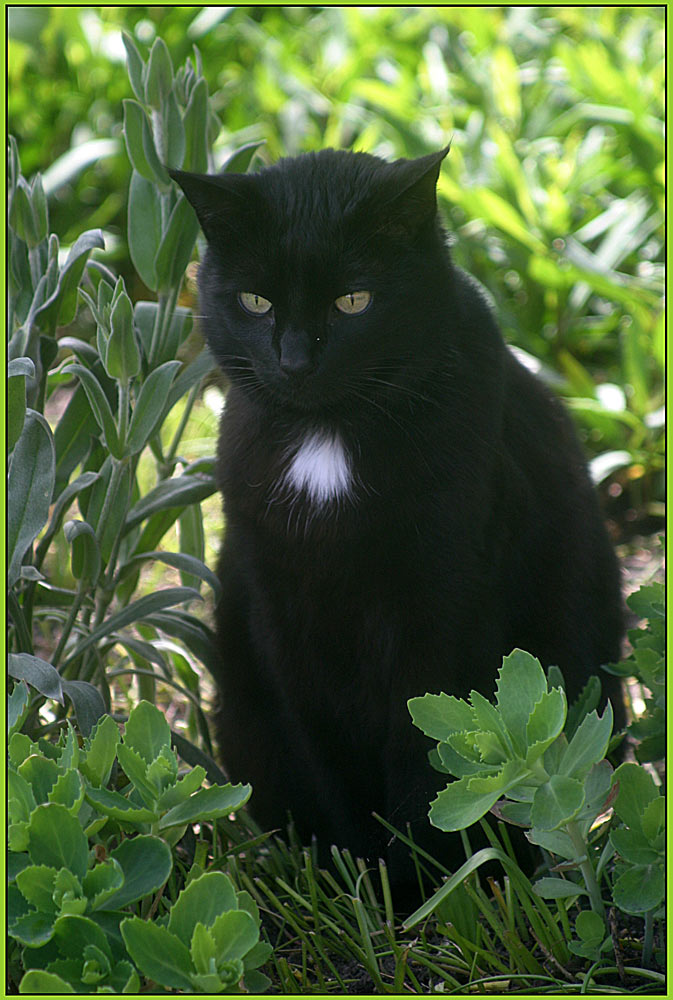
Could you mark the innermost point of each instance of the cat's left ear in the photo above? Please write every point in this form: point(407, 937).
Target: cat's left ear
point(222, 202)
point(415, 201)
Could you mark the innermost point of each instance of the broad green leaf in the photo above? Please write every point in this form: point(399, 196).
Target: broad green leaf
point(36, 884)
point(74, 933)
point(55, 838)
point(187, 564)
point(453, 763)
point(188, 377)
point(588, 745)
point(182, 789)
point(99, 406)
point(556, 802)
point(545, 723)
point(111, 803)
point(41, 774)
point(146, 863)
point(87, 703)
point(634, 847)
point(177, 244)
point(17, 371)
point(636, 791)
point(68, 894)
point(147, 731)
point(555, 841)
point(465, 745)
point(174, 133)
point(597, 794)
point(38, 981)
point(457, 806)
point(240, 159)
point(640, 889)
point(654, 818)
point(68, 791)
point(585, 703)
point(33, 929)
point(202, 949)
point(159, 955)
point(204, 899)
point(135, 768)
point(122, 356)
point(39, 674)
point(61, 306)
point(144, 227)
point(487, 718)
point(235, 933)
point(557, 888)
point(440, 715)
point(102, 882)
point(521, 684)
point(590, 927)
point(29, 489)
point(149, 405)
point(207, 804)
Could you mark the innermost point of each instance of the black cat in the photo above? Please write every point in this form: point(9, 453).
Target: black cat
point(404, 502)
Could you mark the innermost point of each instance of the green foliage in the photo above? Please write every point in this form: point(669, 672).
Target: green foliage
point(535, 764)
point(82, 855)
point(647, 664)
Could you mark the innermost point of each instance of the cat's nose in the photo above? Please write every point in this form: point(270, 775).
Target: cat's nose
point(295, 357)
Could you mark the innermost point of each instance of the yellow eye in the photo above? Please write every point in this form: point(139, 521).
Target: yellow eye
point(354, 303)
point(253, 303)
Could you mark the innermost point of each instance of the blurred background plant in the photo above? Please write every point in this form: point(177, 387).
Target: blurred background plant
point(553, 188)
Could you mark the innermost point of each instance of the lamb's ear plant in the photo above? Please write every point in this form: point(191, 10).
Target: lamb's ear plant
point(87, 861)
point(84, 408)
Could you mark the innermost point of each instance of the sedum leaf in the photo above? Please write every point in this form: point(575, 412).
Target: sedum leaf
point(206, 804)
point(588, 745)
point(440, 715)
point(146, 863)
point(521, 684)
point(202, 901)
point(147, 732)
point(55, 838)
point(159, 955)
point(30, 487)
point(556, 802)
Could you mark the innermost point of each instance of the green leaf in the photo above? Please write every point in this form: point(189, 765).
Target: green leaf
point(174, 133)
point(640, 889)
point(41, 774)
point(30, 487)
point(140, 145)
point(182, 789)
point(36, 884)
point(177, 244)
point(99, 407)
point(55, 838)
point(16, 397)
point(85, 555)
point(122, 356)
point(207, 804)
point(17, 705)
point(159, 955)
point(185, 563)
point(204, 899)
point(585, 703)
point(521, 685)
point(202, 949)
point(556, 802)
point(636, 791)
point(38, 981)
point(235, 933)
point(196, 132)
point(144, 227)
point(545, 723)
point(149, 405)
point(240, 159)
point(458, 806)
point(135, 768)
point(34, 929)
point(590, 927)
point(68, 894)
point(146, 863)
point(147, 731)
point(142, 608)
point(74, 933)
point(60, 307)
point(557, 888)
point(440, 715)
point(588, 745)
point(68, 791)
point(87, 703)
point(171, 493)
point(634, 847)
point(134, 65)
point(39, 674)
point(102, 882)
point(159, 75)
point(99, 751)
point(116, 806)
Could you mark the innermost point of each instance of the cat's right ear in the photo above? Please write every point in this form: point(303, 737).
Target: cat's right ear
point(220, 201)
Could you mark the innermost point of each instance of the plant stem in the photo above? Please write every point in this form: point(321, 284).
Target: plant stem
point(649, 937)
point(587, 869)
point(70, 621)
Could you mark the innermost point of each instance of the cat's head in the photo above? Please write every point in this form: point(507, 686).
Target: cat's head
point(322, 273)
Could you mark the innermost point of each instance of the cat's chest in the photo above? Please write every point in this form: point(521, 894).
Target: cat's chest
point(318, 467)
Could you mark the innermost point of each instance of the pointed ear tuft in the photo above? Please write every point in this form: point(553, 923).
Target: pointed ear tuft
point(415, 201)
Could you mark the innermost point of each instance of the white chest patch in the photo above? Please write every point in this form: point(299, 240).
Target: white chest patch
point(320, 466)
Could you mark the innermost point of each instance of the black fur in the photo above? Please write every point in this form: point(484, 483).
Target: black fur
point(472, 526)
